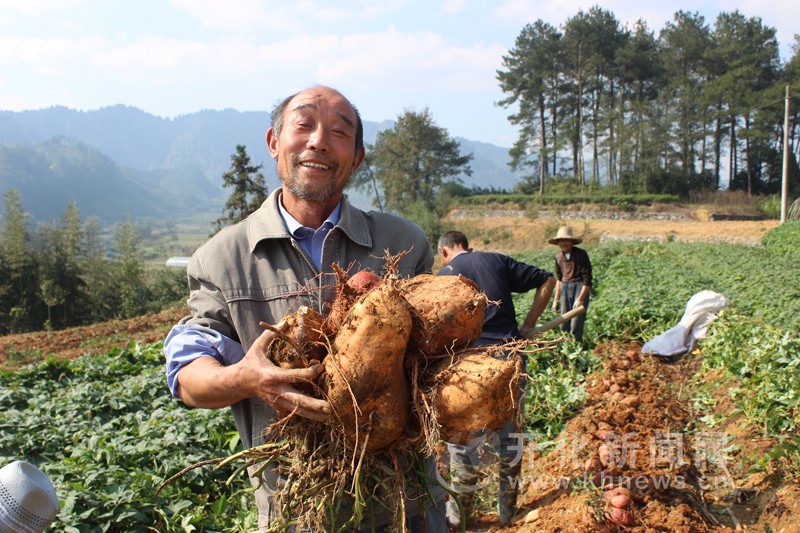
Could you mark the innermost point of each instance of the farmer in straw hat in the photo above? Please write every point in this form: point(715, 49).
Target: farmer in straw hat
point(28, 502)
point(574, 280)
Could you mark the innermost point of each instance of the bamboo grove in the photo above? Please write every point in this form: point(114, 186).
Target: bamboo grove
point(695, 107)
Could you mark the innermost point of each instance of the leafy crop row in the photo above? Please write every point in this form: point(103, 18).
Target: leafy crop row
point(640, 290)
point(106, 432)
point(764, 363)
point(644, 292)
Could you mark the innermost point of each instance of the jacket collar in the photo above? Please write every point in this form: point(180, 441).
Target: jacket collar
point(266, 223)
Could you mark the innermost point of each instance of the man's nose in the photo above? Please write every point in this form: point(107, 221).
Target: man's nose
point(318, 140)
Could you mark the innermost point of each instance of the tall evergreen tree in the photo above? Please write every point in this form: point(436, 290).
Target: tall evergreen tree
point(641, 77)
point(792, 78)
point(531, 80)
point(684, 45)
point(128, 269)
point(60, 263)
point(749, 52)
point(249, 188)
point(96, 275)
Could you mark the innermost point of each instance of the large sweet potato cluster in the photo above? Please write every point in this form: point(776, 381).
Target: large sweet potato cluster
point(397, 360)
point(400, 376)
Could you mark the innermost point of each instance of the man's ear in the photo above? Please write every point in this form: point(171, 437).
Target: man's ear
point(358, 159)
point(272, 143)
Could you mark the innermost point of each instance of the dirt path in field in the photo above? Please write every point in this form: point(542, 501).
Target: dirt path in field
point(511, 234)
point(26, 348)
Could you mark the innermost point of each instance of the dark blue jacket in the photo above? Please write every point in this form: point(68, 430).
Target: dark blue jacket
point(497, 276)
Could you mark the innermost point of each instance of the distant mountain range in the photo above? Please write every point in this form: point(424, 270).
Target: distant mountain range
point(119, 159)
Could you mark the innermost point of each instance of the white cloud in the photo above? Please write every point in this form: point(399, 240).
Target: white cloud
point(36, 7)
point(234, 15)
point(419, 61)
point(452, 7)
point(298, 16)
point(49, 56)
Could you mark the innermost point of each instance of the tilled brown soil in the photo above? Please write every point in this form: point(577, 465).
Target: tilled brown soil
point(25, 348)
point(515, 234)
point(637, 431)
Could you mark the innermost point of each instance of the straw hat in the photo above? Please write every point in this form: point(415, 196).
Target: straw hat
point(28, 501)
point(565, 234)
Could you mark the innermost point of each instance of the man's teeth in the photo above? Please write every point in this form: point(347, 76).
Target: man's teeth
point(316, 165)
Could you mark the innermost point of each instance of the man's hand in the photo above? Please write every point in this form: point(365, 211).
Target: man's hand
point(578, 303)
point(273, 384)
point(555, 308)
point(207, 383)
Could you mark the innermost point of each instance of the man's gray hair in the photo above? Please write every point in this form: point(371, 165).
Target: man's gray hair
point(280, 109)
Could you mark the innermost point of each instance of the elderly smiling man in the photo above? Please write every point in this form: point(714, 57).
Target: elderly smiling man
point(278, 259)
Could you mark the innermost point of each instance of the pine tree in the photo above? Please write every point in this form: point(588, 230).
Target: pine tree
point(129, 270)
point(249, 188)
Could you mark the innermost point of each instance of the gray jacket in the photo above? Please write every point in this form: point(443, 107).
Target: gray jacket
point(255, 271)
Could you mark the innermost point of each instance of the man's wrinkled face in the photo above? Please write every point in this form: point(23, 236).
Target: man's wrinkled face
point(315, 149)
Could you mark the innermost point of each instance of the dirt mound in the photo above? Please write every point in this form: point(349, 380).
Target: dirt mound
point(637, 431)
point(26, 348)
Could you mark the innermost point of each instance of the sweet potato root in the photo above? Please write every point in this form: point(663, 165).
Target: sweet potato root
point(347, 293)
point(366, 386)
point(474, 392)
point(301, 341)
point(448, 312)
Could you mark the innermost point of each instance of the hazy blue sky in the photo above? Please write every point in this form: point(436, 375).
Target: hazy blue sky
point(171, 57)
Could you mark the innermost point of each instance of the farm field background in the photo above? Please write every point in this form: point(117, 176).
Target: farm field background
point(103, 427)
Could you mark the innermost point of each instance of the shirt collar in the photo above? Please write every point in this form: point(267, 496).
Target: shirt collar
point(300, 231)
point(268, 223)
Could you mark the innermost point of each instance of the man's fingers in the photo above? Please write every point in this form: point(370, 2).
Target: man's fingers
point(305, 406)
point(297, 375)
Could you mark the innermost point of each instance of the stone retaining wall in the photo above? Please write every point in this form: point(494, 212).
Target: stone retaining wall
point(661, 239)
point(570, 215)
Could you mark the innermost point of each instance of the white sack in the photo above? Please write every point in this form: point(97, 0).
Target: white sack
point(701, 310)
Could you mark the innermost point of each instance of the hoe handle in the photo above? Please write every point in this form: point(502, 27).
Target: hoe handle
point(569, 315)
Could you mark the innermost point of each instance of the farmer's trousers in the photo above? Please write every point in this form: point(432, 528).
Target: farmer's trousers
point(465, 471)
point(465, 474)
point(570, 290)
